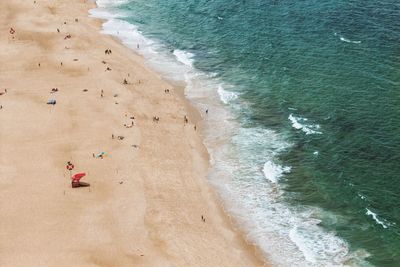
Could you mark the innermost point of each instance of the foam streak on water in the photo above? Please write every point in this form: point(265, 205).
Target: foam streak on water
point(349, 41)
point(375, 217)
point(302, 124)
point(245, 169)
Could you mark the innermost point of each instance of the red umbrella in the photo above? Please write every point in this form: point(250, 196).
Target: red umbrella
point(78, 176)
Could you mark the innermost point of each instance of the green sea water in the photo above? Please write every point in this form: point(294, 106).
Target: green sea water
point(313, 88)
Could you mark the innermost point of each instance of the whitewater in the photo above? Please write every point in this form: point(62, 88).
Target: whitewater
point(246, 169)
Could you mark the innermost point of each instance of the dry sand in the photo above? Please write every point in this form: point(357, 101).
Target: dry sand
point(147, 195)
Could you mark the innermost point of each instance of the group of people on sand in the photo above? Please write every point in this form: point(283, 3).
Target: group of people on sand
point(129, 125)
point(2, 93)
point(12, 32)
point(132, 118)
point(156, 119)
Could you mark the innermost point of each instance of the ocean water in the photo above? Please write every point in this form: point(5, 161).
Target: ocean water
point(303, 126)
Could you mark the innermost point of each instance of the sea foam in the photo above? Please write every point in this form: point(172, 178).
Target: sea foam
point(349, 41)
point(226, 96)
point(302, 124)
point(273, 171)
point(376, 219)
point(242, 158)
point(184, 57)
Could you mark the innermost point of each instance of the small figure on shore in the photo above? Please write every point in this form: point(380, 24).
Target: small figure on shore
point(107, 52)
point(156, 119)
point(112, 136)
point(195, 127)
point(51, 102)
point(93, 155)
point(166, 91)
point(185, 119)
point(76, 20)
point(39, 64)
point(1, 106)
point(58, 30)
point(137, 46)
point(206, 111)
point(61, 63)
point(125, 81)
point(203, 219)
point(68, 36)
point(5, 90)
point(102, 93)
point(70, 166)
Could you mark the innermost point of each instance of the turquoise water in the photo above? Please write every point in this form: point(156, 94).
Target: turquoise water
point(304, 124)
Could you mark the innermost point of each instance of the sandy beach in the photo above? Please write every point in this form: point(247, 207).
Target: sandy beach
point(149, 203)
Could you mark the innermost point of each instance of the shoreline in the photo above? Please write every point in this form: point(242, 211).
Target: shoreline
point(165, 226)
point(197, 119)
